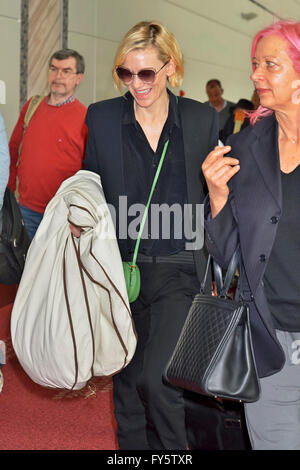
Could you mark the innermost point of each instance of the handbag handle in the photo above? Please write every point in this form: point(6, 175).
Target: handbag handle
point(218, 276)
point(222, 289)
point(234, 262)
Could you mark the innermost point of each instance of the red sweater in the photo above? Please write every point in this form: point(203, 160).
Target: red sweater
point(52, 150)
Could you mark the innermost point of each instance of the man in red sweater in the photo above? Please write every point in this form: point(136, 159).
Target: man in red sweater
point(53, 144)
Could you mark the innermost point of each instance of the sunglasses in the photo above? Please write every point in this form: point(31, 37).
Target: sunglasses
point(146, 75)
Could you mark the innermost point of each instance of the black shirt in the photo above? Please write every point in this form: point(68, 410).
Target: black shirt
point(160, 238)
point(282, 276)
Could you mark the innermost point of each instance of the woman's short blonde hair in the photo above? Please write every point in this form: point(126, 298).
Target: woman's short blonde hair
point(150, 34)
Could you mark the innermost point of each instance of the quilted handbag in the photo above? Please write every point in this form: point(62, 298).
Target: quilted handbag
point(214, 353)
point(14, 241)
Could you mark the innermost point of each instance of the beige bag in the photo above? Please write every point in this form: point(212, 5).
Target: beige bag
point(71, 319)
point(33, 105)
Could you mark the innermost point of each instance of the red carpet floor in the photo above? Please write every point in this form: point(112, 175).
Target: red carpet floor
point(36, 418)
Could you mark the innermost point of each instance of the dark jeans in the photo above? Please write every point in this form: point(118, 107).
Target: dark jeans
point(32, 220)
point(149, 412)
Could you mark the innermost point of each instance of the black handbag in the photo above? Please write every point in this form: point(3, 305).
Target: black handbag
point(214, 354)
point(14, 241)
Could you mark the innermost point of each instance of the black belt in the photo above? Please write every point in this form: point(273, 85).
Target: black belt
point(183, 257)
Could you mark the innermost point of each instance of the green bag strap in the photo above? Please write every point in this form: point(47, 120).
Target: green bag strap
point(148, 204)
point(137, 245)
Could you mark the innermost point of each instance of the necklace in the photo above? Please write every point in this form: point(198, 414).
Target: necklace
point(291, 139)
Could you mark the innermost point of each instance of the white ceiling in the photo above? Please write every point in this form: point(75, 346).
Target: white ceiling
point(228, 12)
point(216, 40)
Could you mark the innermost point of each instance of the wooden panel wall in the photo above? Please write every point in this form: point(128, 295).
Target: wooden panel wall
point(44, 38)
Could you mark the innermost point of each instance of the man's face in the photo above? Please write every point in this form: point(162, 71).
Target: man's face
point(63, 77)
point(214, 93)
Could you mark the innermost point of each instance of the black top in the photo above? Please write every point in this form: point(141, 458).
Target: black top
point(140, 164)
point(282, 275)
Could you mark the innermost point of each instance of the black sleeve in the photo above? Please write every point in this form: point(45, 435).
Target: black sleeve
point(221, 233)
point(91, 158)
point(214, 134)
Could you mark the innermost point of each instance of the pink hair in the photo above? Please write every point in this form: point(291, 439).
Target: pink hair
point(289, 31)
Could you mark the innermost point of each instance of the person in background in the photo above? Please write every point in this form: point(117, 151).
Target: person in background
point(215, 92)
point(254, 200)
point(126, 138)
point(53, 145)
point(4, 160)
point(237, 120)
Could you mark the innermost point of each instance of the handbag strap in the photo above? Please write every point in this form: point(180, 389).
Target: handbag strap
point(222, 288)
point(203, 283)
point(218, 276)
point(33, 105)
point(137, 245)
point(136, 249)
point(234, 262)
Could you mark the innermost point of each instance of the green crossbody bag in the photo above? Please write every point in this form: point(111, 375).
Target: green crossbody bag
point(131, 270)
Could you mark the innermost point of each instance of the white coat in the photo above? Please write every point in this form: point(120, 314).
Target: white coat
point(71, 318)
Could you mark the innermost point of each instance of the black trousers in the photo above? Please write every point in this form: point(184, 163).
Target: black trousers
point(149, 412)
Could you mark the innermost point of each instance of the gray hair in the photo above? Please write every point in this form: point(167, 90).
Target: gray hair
point(65, 54)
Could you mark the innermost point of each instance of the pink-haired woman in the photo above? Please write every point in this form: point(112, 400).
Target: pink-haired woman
point(254, 200)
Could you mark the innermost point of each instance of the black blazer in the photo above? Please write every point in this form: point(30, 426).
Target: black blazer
point(104, 152)
point(251, 217)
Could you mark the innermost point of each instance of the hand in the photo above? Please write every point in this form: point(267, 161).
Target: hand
point(214, 289)
point(218, 170)
point(75, 230)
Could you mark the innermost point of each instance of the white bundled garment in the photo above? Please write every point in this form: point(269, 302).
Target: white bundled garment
point(71, 318)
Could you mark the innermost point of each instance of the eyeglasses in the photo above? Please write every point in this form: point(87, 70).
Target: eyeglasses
point(65, 72)
point(146, 75)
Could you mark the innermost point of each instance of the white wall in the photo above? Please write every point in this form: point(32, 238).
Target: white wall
point(10, 28)
point(211, 48)
point(214, 40)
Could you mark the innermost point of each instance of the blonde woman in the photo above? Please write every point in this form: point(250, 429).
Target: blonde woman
point(126, 137)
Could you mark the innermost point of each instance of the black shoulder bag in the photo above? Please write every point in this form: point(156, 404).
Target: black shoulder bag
point(14, 241)
point(214, 354)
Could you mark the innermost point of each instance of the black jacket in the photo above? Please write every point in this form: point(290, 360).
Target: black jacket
point(250, 218)
point(104, 152)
